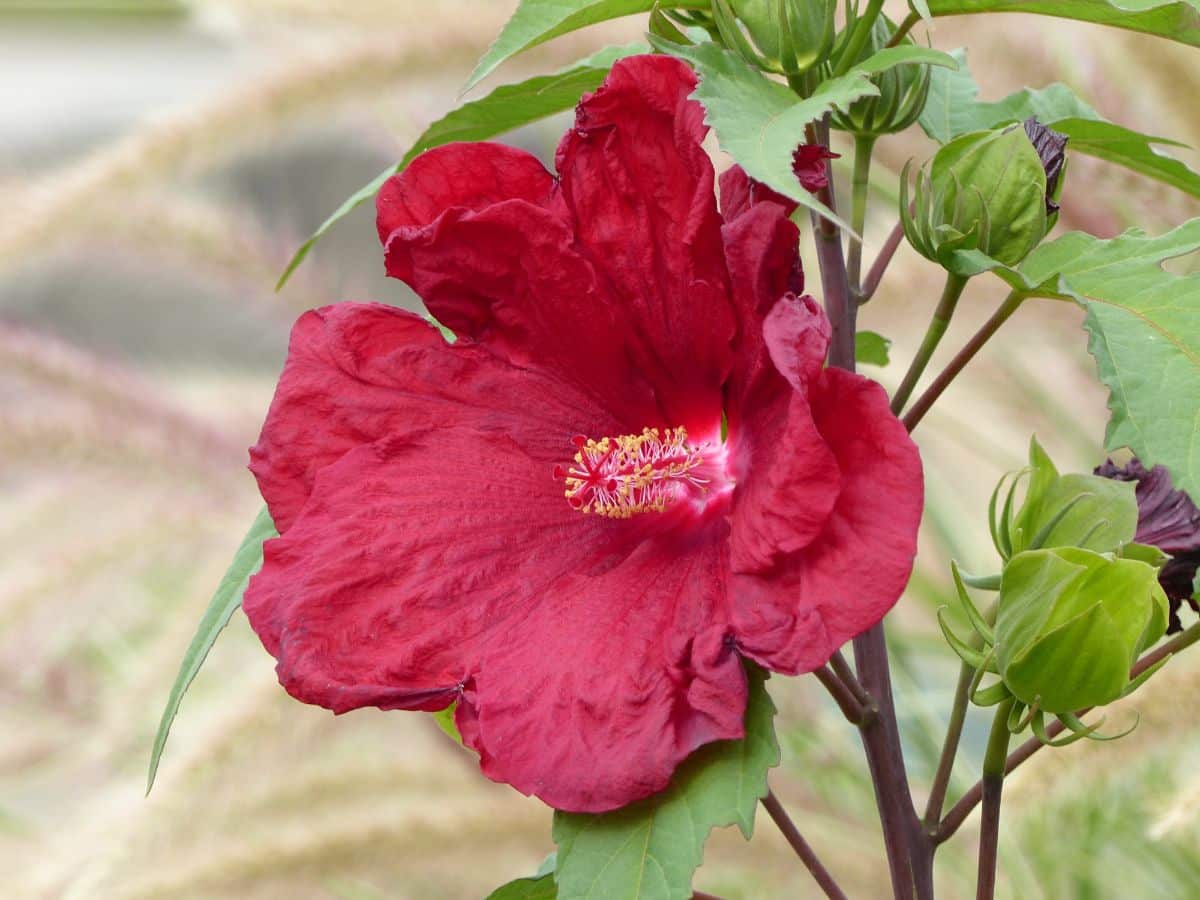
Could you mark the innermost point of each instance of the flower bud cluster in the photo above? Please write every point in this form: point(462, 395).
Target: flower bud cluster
point(1078, 600)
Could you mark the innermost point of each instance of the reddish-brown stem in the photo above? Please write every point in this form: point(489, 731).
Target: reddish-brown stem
point(880, 732)
point(917, 411)
point(875, 274)
point(841, 694)
point(803, 850)
point(842, 668)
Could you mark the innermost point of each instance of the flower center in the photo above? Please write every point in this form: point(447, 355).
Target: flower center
point(622, 476)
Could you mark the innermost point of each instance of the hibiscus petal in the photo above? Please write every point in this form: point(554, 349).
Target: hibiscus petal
point(792, 618)
point(739, 192)
point(508, 277)
point(409, 553)
point(585, 671)
point(357, 373)
point(592, 700)
point(640, 190)
point(763, 256)
point(788, 493)
point(797, 335)
point(473, 176)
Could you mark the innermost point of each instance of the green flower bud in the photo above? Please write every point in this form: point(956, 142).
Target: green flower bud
point(789, 37)
point(903, 91)
point(984, 191)
point(1087, 511)
point(1070, 624)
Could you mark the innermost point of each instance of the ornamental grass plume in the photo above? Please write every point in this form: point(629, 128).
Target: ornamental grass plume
point(630, 473)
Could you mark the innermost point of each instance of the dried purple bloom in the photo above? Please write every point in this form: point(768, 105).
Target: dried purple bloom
point(1051, 149)
point(1170, 521)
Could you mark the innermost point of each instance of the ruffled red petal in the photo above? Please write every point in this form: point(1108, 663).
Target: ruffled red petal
point(611, 681)
point(358, 373)
point(434, 558)
point(797, 334)
point(640, 189)
point(616, 281)
point(792, 618)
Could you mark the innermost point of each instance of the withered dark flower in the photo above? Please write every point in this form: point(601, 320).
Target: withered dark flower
point(1170, 521)
point(1051, 149)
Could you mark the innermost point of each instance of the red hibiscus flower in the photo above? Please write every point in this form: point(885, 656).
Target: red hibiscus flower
point(542, 521)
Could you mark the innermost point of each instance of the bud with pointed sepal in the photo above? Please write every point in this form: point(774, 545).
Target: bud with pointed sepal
point(1071, 623)
point(1069, 627)
point(788, 37)
point(1072, 510)
point(986, 191)
point(903, 90)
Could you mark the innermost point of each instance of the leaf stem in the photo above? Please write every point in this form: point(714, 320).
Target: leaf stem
point(841, 694)
point(994, 769)
point(803, 850)
point(933, 336)
point(859, 190)
point(858, 37)
point(886, 252)
point(905, 27)
point(839, 665)
point(941, 778)
point(917, 412)
point(966, 805)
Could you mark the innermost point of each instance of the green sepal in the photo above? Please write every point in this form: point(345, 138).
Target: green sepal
point(968, 654)
point(982, 628)
point(1071, 622)
point(1087, 511)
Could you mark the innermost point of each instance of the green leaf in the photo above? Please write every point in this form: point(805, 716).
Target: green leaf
point(1144, 329)
point(953, 110)
point(539, 888)
point(650, 850)
point(445, 721)
point(228, 597)
point(1129, 149)
point(504, 109)
point(871, 348)
point(760, 122)
point(1177, 20)
point(537, 21)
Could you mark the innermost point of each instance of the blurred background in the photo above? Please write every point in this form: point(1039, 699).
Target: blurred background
point(159, 162)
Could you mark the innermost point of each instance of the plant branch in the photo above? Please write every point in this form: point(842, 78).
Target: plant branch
point(842, 668)
point(966, 805)
point(886, 252)
point(933, 336)
point(803, 850)
point(917, 411)
point(858, 37)
point(905, 27)
point(994, 769)
point(835, 285)
point(941, 778)
point(859, 189)
point(880, 732)
point(885, 759)
point(840, 692)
